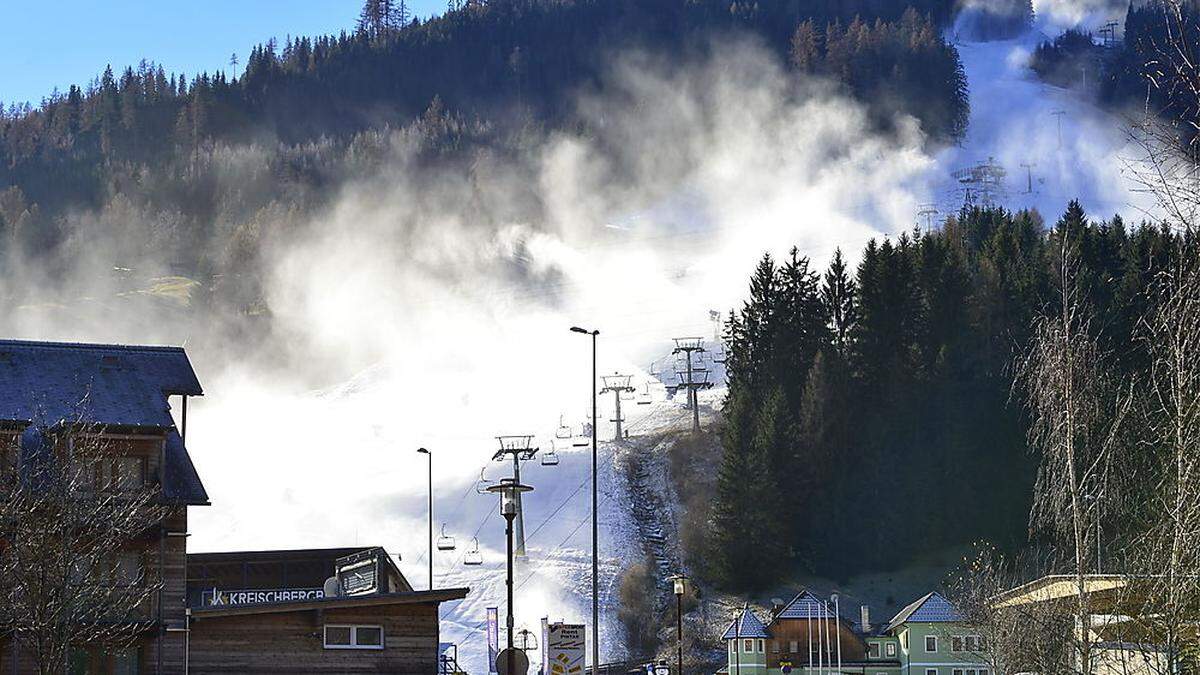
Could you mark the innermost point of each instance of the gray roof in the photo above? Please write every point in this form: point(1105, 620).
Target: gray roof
point(930, 608)
point(116, 385)
point(51, 383)
point(750, 627)
point(181, 483)
point(806, 606)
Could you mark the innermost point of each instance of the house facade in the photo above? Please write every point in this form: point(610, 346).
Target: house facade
point(118, 398)
point(928, 637)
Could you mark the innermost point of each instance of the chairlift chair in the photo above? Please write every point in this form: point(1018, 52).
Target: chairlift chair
point(644, 395)
point(550, 457)
point(564, 430)
point(482, 485)
point(445, 542)
point(473, 557)
point(585, 434)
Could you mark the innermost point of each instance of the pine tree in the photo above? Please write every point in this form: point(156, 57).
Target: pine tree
point(838, 296)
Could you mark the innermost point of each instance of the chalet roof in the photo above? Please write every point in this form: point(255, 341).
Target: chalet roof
point(751, 627)
point(383, 599)
point(929, 608)
point(805, 605)
point(111, 385)
point(321, 556)
point(118, 385)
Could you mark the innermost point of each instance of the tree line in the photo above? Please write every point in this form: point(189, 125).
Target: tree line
point(871, 413)
point(503, 63)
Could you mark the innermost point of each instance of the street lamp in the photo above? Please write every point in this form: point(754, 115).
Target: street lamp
point(595, 522)
point(510, 494)
point(429, 454)
point(662, 668)
point(679, 582)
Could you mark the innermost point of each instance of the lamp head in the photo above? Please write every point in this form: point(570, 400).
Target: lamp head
point(423, 451)
point(679, 581)
point(509, 490)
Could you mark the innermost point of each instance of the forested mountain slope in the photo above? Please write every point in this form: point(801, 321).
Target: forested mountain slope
point(154, 154)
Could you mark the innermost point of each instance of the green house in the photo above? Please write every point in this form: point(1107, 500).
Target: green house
point(806, 636)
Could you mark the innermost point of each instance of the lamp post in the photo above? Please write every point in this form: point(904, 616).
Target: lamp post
point(429, 454)
point(679, 582)
point(509, 490)
point(595, 522)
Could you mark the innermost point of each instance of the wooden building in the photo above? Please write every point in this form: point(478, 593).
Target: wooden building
point(120, 394)
point(310, 611)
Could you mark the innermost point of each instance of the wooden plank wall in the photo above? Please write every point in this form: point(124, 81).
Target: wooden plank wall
point(292, 642)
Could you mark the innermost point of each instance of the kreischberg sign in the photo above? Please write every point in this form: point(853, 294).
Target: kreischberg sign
point(221, 598)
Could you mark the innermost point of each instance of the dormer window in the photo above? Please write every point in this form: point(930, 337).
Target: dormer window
point(873, 650)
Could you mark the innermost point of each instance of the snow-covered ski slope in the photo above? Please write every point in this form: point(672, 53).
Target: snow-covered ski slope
point(1053, 143)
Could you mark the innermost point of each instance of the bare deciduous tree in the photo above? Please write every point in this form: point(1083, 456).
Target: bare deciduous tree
point(73, 530)
point(1165, 584)
point(1076, 411)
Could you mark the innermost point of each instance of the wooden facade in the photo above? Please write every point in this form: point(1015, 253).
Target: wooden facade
point(290, 637)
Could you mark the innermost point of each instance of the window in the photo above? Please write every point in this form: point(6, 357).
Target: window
point(873, 650)
point(904, 640)
point(970, 671)
point(931, 643)
point(974, 643)
point(748, 646)
point(890, 648)
point(956, 643)
point(762, 646)
point(794, 646)
point(958, 671)
point(931, 671)
point(353, 637)
point(983, 671)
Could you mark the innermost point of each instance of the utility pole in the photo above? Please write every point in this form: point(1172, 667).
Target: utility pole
point(1029, 176)
point(521, 450)
point(617, 384)
point(686, 346)
point(1059, 114)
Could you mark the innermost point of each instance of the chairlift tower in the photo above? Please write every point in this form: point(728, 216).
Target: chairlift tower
point(1058, 114)
point(1029, 167)
point(982, 184)
point(686, 346)
point(927, 212)
point(521, 449)
point(617, 384)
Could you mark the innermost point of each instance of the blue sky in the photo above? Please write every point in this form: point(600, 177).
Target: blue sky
point(46, 44)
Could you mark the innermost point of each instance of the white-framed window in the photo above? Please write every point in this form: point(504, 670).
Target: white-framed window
point(970, 671)
point(931, 671)
point(931, 643)
point(958, 671)
point(904, 640)
point(762, 646)
point(748, 646)
point(873, 650)
point(794, 646)
point(345, 636)
point(890, 649)
point(983, 671)
point(974, 643)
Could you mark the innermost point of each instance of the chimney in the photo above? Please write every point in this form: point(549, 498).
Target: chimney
point(866, 619)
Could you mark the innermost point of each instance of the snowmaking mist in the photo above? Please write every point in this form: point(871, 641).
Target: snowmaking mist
point(430, 305)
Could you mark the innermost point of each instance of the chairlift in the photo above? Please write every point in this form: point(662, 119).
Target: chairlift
point(482, 485)
point(445, 542)
point(585, 435)
point(549, 457)
point(473, 557)
point(564, 430)
point(644, 395)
